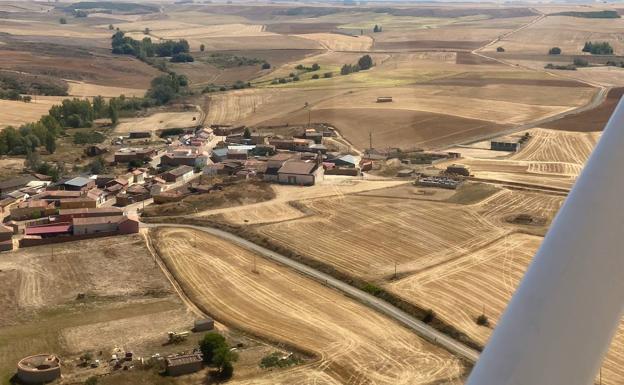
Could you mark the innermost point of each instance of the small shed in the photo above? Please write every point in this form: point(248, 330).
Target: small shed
point(186, 364)
point(405, 173)
point(203, 325)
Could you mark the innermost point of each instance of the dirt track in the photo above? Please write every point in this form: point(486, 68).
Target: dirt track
point(350, 340)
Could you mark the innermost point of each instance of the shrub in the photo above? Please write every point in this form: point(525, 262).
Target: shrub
point(63, 20)
point(372, 289)
point(328, 75)
point(296, 79)
point(202, 48)
point(282, 80)
point(500, 49)
point(365, 62)
point(266, 66)
point(580, 62)
point(292, 75)
point(315, 76)
point(171, 132)
point(182, 58)
point(429, 316)
point(554, 51)
point(315, 67)
point(483, 320)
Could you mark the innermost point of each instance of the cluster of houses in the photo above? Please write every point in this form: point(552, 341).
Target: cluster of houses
point(299, 160)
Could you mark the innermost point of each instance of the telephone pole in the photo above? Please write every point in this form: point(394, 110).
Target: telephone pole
point(370, 139)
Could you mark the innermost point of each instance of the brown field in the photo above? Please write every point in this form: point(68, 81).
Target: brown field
point(114, 71)
point(350, 341)
point(394, 128)
point(301, 28)
point(423, 45)
point(592, 120)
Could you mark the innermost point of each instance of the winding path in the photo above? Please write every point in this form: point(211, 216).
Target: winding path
point(422, 329)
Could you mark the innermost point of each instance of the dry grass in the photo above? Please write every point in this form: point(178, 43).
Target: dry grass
point(339, 42)
point(354, 344)
point(159, 121)
point(83, 90)
point(15, 113)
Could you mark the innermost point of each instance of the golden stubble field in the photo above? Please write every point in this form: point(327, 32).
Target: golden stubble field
point(353, 344)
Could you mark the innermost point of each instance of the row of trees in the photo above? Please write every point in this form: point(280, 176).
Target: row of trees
point(28, 137)
point(364, 63)
point(598, 48)
point(143, 49)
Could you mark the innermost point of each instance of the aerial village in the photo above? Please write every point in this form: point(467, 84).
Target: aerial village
point(39, 211)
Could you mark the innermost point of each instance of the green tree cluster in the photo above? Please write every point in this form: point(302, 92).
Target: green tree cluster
point(165, 88)
point(217, 352)
point(598, 48)
point(364, 63)
point(143, 49)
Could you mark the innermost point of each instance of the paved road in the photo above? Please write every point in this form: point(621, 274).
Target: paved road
point(422, 329)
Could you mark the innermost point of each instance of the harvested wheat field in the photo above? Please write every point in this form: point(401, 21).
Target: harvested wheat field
point(350, 341)
point(558, 146)
point(15, 113)
point(366, 237)
point(340, 42)
point(458, 290)
point(159, 121)
point(89, 90)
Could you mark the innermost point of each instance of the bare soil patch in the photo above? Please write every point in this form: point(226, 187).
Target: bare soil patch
point(591, 120)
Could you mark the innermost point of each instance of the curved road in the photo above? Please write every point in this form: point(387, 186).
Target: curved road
point(421, 328)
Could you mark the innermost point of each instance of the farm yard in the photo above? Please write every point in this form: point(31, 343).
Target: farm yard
point(350, 341)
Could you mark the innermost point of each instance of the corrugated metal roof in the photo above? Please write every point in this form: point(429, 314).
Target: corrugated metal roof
point(78, 181)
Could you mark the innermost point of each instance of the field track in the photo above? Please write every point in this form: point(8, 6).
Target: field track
point(279, 304)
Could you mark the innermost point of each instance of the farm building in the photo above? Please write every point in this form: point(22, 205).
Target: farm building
point(14, 184)
point(384, 99)
point(39, 369)
point(68, 214)
point(507, 143)
point(49, 230)
point(32, 209)
point(177, 366)
point(221, 130)
point(203, 325)
point(102, 180)
point(184, 157)
point(127, 155)
point(99, 196)
point(56, 195)
point(299, 172)
point(139, 135)
point(182, 173)
point(458, 169)
point(405, 173)
point(275, 162)
point(114, 224)
point(133, 194)
point(344, 161)
point(78, 183)
point(219, 154)
point(236, 153)
point(6, 238)
point(291, 144)
point(77, 203)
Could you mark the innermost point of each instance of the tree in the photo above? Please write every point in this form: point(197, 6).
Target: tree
point(247, 133)
point(93, 380)
point(500, 49)
point(32, 159)
point(146, 31)
point(365, 62)
point(266, 66)
point(113, 113)
point(328, 75)
point(210, 344)
point(226, 371)
point(110, 27)
point(554, 51)
point(202, 48)
point(315, 76)
point(223, 358)
point(376, 28)
point(315, 67)
point(50, 143)
point(63, 20)
point(97, 166)
point(483, 320)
